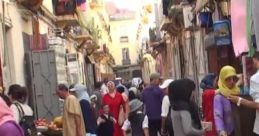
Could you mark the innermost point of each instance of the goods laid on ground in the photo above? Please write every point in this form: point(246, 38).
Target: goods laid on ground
point(53, 128)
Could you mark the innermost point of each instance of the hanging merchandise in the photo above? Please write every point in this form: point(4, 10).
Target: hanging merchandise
point(225, 7)
point(79, 2)
point(206, 20)
point(209, 40)
point(175, 14)
point(145, 19)
point(176, 25)
point(200, 4)
point(166, 4)
point(64, 7)
point(249, 30)
point(188, 16)
point(255, 17)
point(239, 26)
point(222, 32)
point(148, 67)
point(149, 8)
point(83, 7)
point(191, 1)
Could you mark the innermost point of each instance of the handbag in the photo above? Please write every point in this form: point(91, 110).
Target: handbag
point(206, 20)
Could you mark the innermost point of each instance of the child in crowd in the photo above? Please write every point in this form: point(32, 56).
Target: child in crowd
point(209, 85)
point(105, 122)
point(137, 121)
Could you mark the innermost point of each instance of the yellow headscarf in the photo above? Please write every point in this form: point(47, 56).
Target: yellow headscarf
point(226, 72)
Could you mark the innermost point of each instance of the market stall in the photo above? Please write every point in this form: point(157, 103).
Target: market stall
point(46, 128)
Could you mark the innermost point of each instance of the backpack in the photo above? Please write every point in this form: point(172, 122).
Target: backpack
point(26, 122)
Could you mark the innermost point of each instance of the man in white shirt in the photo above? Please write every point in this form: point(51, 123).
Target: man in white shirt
point(165, 109)
point(254, 92)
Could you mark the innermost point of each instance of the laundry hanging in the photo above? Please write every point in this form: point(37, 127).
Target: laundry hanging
point(255, 17)
point(81, 4)
point(166, 4)
point(238, 23)
point(64, 7)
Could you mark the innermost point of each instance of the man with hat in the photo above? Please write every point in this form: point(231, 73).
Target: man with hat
point(152, 97)
point(137, 120)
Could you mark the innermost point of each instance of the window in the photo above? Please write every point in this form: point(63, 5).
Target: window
point(125, 56)
point(124, 39)
point(125, 53)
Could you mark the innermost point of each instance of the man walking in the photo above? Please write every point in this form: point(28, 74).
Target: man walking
point(73, 123)
point(254, 92)
point(152, 98)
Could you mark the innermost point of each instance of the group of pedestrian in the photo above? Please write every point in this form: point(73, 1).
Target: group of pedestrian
point(171, 106)
point(161, 108)
point(97, 114)
point(219, 94)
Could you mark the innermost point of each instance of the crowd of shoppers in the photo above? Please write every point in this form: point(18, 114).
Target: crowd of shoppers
point(161, 108)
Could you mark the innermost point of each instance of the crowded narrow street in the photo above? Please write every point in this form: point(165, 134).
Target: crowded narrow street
point(129, 68)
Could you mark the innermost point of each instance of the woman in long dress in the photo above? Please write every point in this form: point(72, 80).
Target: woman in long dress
point(222, 107)
point(115, 101)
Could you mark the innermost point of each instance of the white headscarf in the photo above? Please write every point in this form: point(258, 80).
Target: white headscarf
point(81, 92)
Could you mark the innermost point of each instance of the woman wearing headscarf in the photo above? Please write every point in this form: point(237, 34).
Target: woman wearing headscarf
point(88, 114)
point(185, 116)
point(8, 126)
point(222, 106)
point(115, 101)
point(208, 84)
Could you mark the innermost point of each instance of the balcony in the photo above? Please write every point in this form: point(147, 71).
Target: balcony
point(79, 33)
point(30, 4)
point(67, 20)
point(80, 37)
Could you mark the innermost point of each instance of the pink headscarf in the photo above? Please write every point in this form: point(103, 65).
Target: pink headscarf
point(6, 113)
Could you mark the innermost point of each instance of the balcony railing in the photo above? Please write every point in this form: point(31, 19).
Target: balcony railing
point(30, 4)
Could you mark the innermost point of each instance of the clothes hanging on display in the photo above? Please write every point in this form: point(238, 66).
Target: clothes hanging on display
point(166, 4)
point(255, 17)
point(64, 7)
point(238, 23)
point(79, 2)
point(83, 6)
